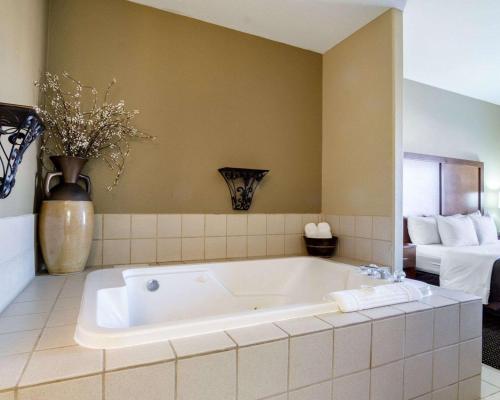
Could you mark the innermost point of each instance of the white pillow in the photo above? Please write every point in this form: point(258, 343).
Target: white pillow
point(423, 230)
point(486, 229)
point(457, 231)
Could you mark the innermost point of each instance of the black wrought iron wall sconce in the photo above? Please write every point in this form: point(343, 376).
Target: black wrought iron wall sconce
point(242, 183)
point(19, 127)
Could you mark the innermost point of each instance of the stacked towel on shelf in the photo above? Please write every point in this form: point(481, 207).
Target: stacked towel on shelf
point(320, 231)
point(376, 296)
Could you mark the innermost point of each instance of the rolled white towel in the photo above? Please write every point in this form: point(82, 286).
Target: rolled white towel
point(311, 230)
point(324, 227)
point(376, 296)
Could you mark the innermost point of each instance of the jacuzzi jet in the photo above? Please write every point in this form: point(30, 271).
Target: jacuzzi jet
point(152, 285)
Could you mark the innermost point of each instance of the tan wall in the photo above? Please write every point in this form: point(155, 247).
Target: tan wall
point(360, 120)
point(213, 97)
point(448, 124)
point(22, 51)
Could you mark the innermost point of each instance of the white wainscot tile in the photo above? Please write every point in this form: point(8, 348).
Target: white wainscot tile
point(236, 246)
point(192, 249)
point(257, 224)
point(347, 225)
point(143, 251)
point(388, 340)
point(193, 225)
point(201, 344)
point(447, 393)
point(470, 389)
point(334, 222)
point(215, 248)
point(310, 359)
point(209, 377)
point(382, 252)
point(320, 391)
point(294, 245)
point(18, 342)
point(354, 386)
point(347, 247)
point(169, 250)
point(236, 225)
point(471, 320)
point(154, 382)
point(382, 228)
point(363, 249)
point(88, 388)
point(417, 375)
point(257, 246)
point(97, 226)
point(445, 367)
point(116, 226)
point(363, 227)
point(275, 245)
point(310, 219)
point(215, 225)
point(18, 323)
point(65, 362)
point(419, 332)
point(293, 223)
point(262, 370)
point(387, 382)
point(116, 252)
point(446, 325)
point(137, 355)
point(470, 358)
point(256, 334)
point(11, 368)
point(144, 226)
point(275, 224)
point(352, 346)
point(95, 256)
point(58, 336)
point(169, 226)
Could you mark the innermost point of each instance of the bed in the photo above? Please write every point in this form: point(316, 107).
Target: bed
point(444, 186)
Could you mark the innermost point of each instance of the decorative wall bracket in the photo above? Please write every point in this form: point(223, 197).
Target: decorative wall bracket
point(19, 127)
point(242, 183)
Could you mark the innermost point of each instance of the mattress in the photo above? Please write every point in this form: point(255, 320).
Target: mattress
point(429, 257)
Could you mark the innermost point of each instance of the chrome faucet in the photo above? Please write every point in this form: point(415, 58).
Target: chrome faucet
point(376, 272)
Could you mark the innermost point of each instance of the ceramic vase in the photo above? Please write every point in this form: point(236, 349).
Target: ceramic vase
point(66, 219)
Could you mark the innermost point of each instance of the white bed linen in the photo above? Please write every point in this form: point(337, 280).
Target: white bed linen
point(429, 257)
point(469, 268)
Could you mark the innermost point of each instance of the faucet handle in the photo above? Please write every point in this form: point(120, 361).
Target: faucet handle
point(399, 276)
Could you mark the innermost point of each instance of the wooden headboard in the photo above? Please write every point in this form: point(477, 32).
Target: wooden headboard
point(434, 185)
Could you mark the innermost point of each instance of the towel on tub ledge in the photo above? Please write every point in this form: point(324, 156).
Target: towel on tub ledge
point(375, 296)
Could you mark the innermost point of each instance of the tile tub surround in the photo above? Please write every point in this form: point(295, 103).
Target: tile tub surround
point(347, 356)
point(159, 238)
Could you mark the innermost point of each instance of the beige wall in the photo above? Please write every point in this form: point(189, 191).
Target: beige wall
point(22, 53)
point(213, 97)
point(448, 124)
point(359, 120)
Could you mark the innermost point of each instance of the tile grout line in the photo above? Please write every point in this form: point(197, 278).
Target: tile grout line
point(38, 339)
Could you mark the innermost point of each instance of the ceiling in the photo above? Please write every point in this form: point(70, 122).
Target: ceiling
point(315, 25)
point(454, 45)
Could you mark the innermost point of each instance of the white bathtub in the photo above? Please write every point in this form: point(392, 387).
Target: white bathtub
point(118, 310)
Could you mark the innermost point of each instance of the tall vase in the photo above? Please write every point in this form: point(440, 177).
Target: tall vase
point(66, 220)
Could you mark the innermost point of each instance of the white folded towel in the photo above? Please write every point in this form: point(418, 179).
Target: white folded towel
point(375, 296)
point(320, 231)
point(311, 230)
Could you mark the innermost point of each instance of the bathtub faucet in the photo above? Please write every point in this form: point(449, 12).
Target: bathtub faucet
point(376, 271)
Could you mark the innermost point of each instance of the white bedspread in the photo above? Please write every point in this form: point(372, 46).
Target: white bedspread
point(469, 268)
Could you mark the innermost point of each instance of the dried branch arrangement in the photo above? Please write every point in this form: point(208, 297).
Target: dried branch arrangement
point(79, 124)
